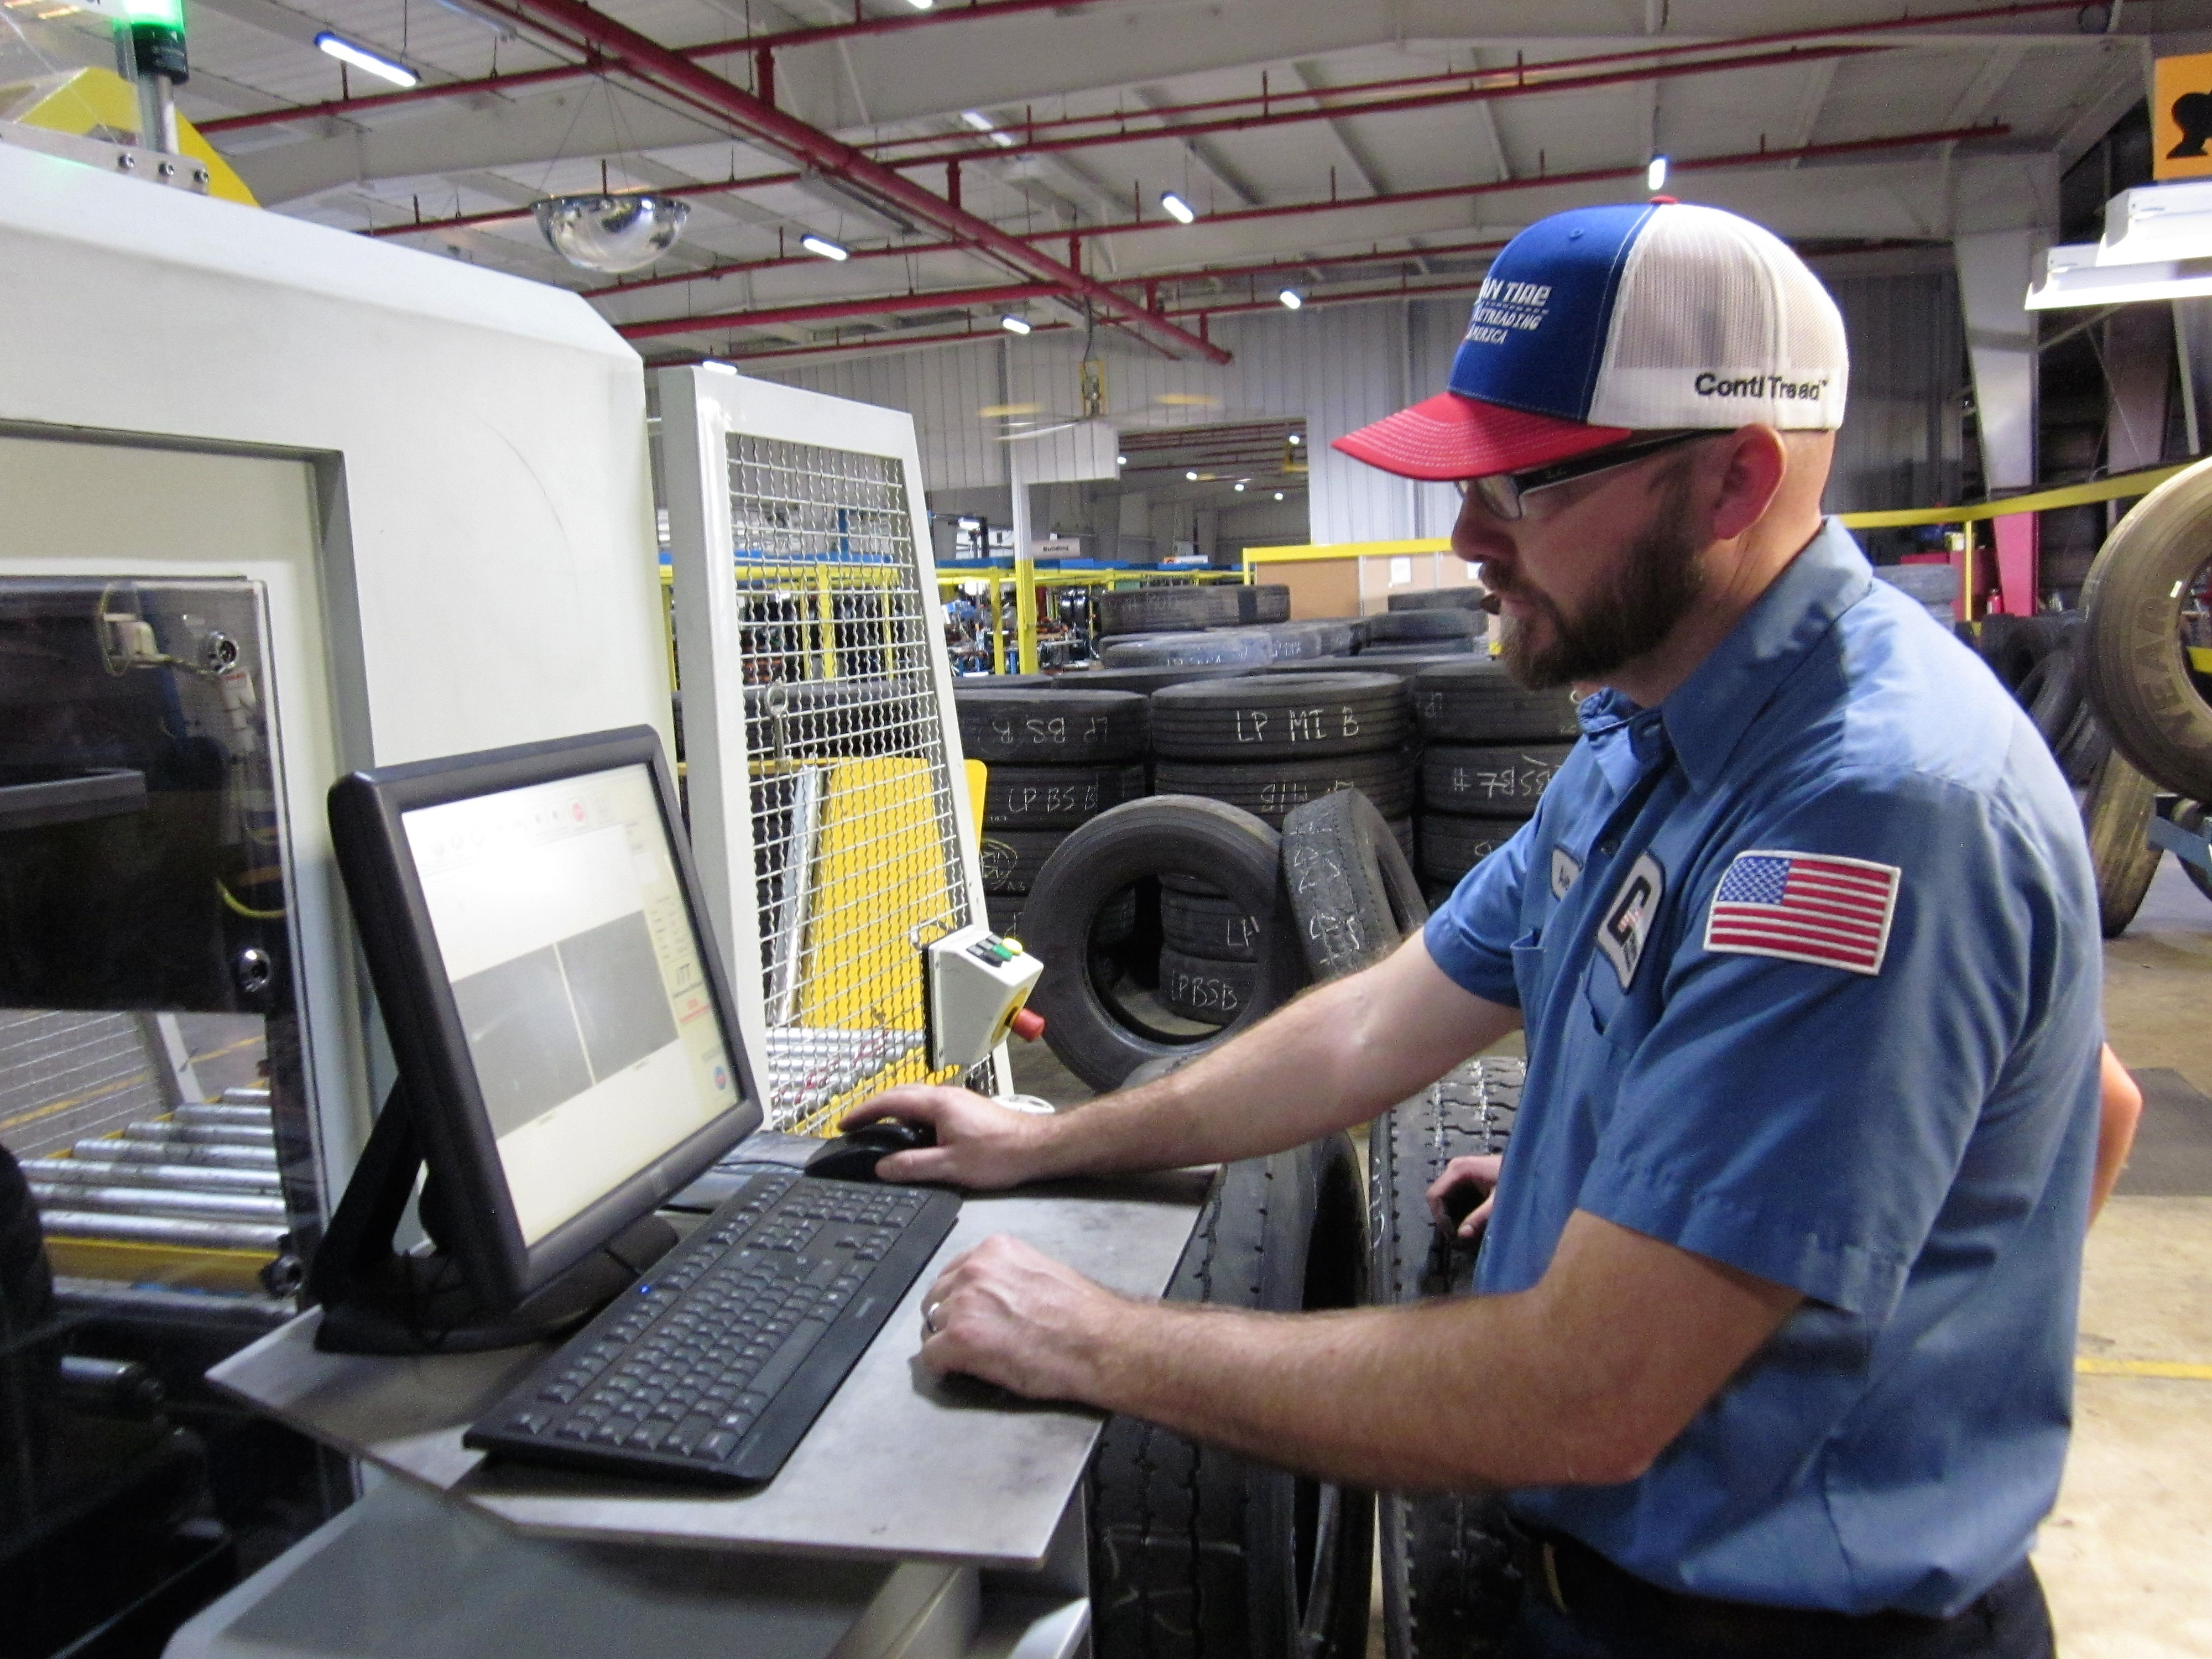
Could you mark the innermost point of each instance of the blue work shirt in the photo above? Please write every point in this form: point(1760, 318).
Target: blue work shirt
point(1870, 1076)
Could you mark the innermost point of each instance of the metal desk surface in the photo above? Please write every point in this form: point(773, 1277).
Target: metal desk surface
point(900, 1464)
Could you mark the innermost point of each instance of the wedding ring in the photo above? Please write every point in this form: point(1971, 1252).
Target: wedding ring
point(929, 1318)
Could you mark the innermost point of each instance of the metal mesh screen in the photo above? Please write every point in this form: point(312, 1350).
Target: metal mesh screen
point(854, 841)
point(66, 1077)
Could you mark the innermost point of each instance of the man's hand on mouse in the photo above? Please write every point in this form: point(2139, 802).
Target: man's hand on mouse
point(980, 1145)
point(1010, 1314)
point(1464, 1179)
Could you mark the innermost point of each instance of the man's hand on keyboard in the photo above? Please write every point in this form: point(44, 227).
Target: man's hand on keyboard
point(1010, 1314)
point(980, 1145)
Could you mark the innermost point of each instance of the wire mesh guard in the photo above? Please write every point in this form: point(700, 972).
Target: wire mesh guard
point(855, 843)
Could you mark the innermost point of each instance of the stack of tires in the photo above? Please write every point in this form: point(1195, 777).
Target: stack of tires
point(1266, 745)
point(1428, 628)
point(1057, 759)
point(1490, 746)
point(1129, 611)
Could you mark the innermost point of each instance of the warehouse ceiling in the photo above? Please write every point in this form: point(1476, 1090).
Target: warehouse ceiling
point(1008, 158)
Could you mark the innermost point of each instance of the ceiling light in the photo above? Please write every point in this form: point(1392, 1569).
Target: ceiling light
point(1178, 209)
point(1014, 325)
point(1279, 494)
point(1120, 460)
point(1296, 439)
point(1240, 489)
point(982, 123)
point(1655, 174)
point(1191, 478)
point(1292, 298)
point(825, 247)
point(2072, 276)
point(362, 59)
point(921, 5)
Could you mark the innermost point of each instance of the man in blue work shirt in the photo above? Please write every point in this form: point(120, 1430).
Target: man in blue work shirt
point(1775, 1339)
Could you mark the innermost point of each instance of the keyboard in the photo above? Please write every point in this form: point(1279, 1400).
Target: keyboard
point(713, 1365)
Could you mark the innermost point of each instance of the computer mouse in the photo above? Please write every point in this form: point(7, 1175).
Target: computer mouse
point(853, 1157)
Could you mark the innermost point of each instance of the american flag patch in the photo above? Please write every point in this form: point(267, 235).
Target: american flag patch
point(1805, 906)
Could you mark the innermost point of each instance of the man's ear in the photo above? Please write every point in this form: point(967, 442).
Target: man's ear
point(1749, 469)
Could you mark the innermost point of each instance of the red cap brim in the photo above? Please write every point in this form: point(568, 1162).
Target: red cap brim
point(1448, 437)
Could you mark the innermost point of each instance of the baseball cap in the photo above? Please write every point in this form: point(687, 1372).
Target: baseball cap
point(1602, 321)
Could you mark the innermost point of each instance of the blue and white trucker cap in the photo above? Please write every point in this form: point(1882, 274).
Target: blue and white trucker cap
point(1603, 321)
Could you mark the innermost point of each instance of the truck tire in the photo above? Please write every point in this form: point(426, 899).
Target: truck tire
point(1430, 623)
point(1424, 648)
point(1095, 1036)
point(1407, 661)
point(1451, 846)
point(1208, 989)
point(2117, 815)
point(1210, 648)
point(1270, 788)
point(1449, 1588)
point(1263, 602)
point(1196, 1552)
point(1280, 715)
point(2138, 675)
point(1490, 781)
point(1025, 727)
point(1055, 797)
point(1469, 597)
point(1167, 609)
point(1475, 701)
point(1149, 680)
point(1352, 890)
point(1011, 858)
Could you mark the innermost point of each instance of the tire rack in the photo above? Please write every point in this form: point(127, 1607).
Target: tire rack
point(1028, 582)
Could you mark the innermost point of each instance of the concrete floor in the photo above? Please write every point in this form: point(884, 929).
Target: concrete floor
point(2126, 1556)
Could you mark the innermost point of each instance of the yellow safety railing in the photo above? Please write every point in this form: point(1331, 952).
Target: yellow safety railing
point(1026, 578)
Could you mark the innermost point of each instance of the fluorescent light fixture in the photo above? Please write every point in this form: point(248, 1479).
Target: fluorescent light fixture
point(1296, 439)
point(982, 122)
point(2072, 276)
point(1190, 477)
point(921, 5)
point(1655, 174)
point(1014, 325)
point(362, 59)
point(1292, 298)
point(1279, 494)
point(1240, 488)
point(1120, 460)
point(823, 247)
point(1178, 209)
point(2157, 222)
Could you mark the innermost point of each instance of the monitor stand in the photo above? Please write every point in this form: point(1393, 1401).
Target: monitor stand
point(378, 1300)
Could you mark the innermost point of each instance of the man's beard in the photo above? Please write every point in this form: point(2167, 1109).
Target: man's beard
point(1659, 579)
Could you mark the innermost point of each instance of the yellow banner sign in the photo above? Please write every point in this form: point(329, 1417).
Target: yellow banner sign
point(2181, 117)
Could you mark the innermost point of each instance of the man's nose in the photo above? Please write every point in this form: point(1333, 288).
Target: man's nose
point(1479, 534)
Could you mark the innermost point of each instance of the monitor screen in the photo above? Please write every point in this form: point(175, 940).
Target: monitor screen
point(579, 979)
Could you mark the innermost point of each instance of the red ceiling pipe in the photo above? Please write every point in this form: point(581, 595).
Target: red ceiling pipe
point(1150, 284)
point(829, 311)
point(968, 335)
point(495, 83)
point(646, 59)
point(763, 46)
point(501, 215)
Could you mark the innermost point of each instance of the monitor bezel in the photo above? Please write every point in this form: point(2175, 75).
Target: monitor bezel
point(407, 970)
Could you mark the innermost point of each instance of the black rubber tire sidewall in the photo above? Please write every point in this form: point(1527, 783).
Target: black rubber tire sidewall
point(1011, 858)
point(1055, 797)
point(1477, 700)
point(1029, 727)
point(1206, 648)
point(1281, 716)
point(1450, 846)
point(1353, 893)
point(1228, 848)
point(1166, 610)
point(1489, 781)
point(1429, 623)
point(1268, 789)
point(2116, 817)
point(1205, 925)
point(1205, 988)
point(2137, 675)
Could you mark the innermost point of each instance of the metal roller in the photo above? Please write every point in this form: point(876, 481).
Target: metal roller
point(251, 1117)
point(131, 1151)
point(225, 1135)
point(245, 1096)
point(159, 1201)
point(163, 1230)
point(196, 1177)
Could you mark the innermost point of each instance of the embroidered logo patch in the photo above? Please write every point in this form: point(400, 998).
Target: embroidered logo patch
point(1626, 924)
point(1563, 872)
point(1805, 906)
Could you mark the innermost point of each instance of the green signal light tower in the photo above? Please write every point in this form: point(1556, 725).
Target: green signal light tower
point(149, 51)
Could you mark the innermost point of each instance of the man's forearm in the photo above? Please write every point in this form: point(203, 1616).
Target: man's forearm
point(1334, 1057)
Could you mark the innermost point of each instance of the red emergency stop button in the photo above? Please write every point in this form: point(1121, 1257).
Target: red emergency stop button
point(1028, 1024)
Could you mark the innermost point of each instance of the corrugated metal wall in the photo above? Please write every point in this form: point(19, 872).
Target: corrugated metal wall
point(1343, 367)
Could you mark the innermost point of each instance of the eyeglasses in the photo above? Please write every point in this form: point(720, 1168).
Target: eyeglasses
point(1503, 493)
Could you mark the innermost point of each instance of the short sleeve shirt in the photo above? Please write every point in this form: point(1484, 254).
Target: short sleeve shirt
point(1808, 963)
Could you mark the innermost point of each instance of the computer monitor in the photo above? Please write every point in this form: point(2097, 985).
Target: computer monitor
point(565, 1044)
